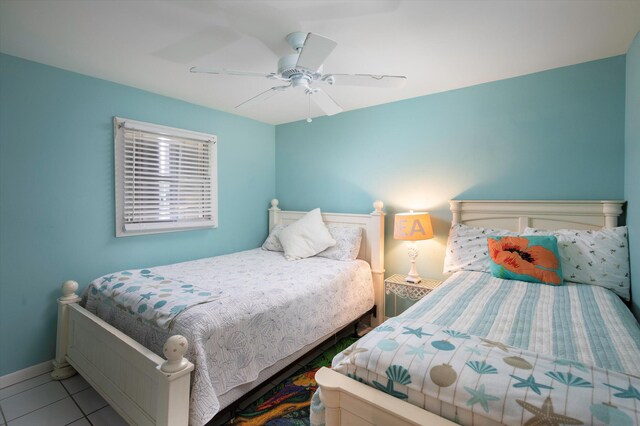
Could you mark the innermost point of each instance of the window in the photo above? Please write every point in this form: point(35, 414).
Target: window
point(166, 178)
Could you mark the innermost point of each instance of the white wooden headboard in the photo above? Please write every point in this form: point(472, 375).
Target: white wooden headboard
point(555, 214)
point(371, 249)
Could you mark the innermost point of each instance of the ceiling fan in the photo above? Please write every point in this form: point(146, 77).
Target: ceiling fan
point(303, 70)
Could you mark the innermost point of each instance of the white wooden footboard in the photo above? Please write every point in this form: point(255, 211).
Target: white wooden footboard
point(141, 386)
point(348, 402)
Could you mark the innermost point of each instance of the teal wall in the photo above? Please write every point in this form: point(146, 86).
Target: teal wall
point(632, 167)
point(57, 193)
point(554, 134)
point(557, 134)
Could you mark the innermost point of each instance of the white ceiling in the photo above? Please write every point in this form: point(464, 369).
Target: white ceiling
point(439, 45)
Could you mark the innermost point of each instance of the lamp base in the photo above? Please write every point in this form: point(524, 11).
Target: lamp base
point(412, 276)
point(413, 279)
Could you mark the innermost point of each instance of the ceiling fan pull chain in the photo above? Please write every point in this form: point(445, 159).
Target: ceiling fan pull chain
point(309, 120)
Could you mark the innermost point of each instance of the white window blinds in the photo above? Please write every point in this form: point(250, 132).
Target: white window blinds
point(167, 178)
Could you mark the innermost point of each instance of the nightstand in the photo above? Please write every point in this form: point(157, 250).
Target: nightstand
point(399, 295)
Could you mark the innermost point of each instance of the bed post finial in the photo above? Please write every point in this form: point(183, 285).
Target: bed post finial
point(174, 350)
point(378, 205)
point(69, 289)
point(274, 214)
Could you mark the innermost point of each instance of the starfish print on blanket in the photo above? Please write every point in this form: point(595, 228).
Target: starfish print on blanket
point(478, 396)
point(529, 382)
point(498, 345)
point(545, 415)
point(473, 350)
point(351, 352)
point(416, 332)
point(419, 351)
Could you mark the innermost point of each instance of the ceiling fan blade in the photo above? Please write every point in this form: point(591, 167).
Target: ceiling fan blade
point(367, 80)
point(222, 71)
point(263, 96)
point(325, 102)
point(314, 52)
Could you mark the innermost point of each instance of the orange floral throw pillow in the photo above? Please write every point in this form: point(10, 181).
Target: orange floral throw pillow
point(532, 258)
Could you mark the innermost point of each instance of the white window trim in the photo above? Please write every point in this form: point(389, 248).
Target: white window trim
point(155, 228)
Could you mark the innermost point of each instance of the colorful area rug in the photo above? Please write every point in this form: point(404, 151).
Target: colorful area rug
point(288, 403)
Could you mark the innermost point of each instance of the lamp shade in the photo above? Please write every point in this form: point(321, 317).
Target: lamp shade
point(412, 226)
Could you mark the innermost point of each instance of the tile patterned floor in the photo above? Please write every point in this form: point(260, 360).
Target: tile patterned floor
point(44, 401)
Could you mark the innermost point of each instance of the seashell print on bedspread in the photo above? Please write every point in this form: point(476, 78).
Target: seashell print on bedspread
point(473, 380)
point(154, 298)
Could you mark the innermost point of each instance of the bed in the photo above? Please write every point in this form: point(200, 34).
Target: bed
point(238, 320)
point(479, 350)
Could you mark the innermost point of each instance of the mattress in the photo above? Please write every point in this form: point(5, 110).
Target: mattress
point(269, 308)
point(481, 350)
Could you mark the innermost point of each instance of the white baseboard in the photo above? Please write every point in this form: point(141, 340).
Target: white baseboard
point(25, 374)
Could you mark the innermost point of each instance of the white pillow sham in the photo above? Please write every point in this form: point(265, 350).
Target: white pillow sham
point(348, 241)
point(272, 243)
point(467, 248)
point(305, 237)
point(593, 257)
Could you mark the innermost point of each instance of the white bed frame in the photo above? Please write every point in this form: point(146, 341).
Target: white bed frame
point(141, 386)
point(348, 402)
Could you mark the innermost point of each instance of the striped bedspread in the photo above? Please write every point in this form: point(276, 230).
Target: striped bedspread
point(479, 350)
point(589, 324)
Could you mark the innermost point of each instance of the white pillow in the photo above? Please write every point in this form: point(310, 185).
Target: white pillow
point(593, 257)
point(272, 243)
point(467, 248)
point(348, 239)
point(306, 237)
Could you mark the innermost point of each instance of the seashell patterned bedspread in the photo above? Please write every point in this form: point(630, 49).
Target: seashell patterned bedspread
point(472, 380)
point(455, 353)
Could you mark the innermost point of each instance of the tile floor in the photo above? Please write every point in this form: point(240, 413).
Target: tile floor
point(44, 401)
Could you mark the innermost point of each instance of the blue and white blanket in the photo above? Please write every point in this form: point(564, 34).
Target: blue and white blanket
point(153, 298)
point(481, 350)
point(472, 380)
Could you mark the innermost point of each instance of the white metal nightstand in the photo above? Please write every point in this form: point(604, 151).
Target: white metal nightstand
point(399, 294)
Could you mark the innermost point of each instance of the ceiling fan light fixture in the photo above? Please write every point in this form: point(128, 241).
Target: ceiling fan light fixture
point(301, 80)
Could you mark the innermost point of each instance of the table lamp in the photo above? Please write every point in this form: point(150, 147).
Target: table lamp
point(412, 227)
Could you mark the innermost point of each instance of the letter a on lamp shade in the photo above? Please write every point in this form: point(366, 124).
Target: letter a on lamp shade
point(414, 226)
